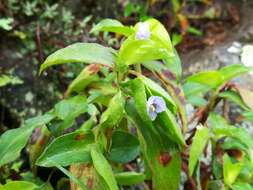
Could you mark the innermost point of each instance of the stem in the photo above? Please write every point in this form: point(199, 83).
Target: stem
point(137, 68)
point(171, 89)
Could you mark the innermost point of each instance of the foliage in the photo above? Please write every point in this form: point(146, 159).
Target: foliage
point(104, 131)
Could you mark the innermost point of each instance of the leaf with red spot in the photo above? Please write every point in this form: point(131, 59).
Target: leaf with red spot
point(87, 76)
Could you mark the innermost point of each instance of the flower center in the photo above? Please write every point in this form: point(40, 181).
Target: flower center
point(152, 107)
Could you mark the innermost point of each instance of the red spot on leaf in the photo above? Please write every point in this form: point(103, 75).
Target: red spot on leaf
point(43, 141)
point(89, 183)
point(79, 137)
point(164, 158)
point(93, 69)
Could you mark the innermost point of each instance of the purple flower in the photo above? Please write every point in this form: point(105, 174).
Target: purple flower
point(155, 105)
point(143, 32)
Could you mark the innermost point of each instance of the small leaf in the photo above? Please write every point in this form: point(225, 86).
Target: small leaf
point(129, 178)
point(232, 71)
point(5, 79)
point(204, 78)
point(221, 129)
point(112, 25)
point(114, 113)
point(196, 101)
point(14, 140)
point(124, 148)
point(80, 53)
point(67, 149)
point(199, 142)
point(194, 89)
point(234, 97)
point(230, 170)
point(103, 168)
point(87, 76)
point(19, 185)
point(247, 96)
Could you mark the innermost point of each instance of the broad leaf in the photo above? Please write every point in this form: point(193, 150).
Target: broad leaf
point(14, 140)
point(68, 149)
point(103, 168)
point(82, 53)
point(199, 142)
point(112, 25)
point(124, 148)
point(230, 170)
point(19, 185)
point(129, 178)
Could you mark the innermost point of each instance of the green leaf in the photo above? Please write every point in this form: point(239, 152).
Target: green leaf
point(103, 168)
point(112, 25)
point(114, 113)
point(87, 76)
point(192, 89)
point(157, 90)
point(196, 101)
point(221, 129)
point(19, 185)
point(68, 149)
point(168, 122)
point(164, 163)
point(248, 115)
point(232, 71)
point(81, 53)
point(140, 99)
point(71, 107)
point(137, 51)
point(5, 79)
point(234, 97)
point(129, 178)
point(160, 34)
point(230, 170)
point(204, 78)
point(124, 148)
point(218, 77)
point(5, 23)
point(241, 186)
point(14, 140)
point(199, 142)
